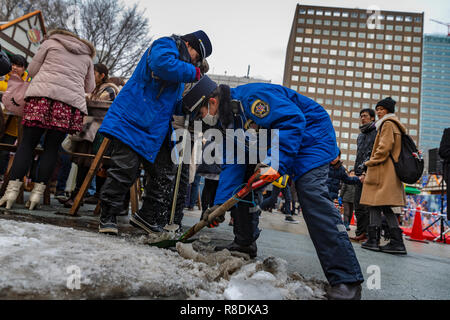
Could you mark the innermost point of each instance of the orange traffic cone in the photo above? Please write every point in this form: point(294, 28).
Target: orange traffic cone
point(416, 231)
point(352, 221)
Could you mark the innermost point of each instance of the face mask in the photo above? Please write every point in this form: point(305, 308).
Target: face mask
point(210, 120)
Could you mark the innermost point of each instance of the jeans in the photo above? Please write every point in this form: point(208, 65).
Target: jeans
point(334, 249)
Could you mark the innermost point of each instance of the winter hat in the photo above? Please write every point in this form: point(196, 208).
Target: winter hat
point(387, 103)
point(200, 42)
point(194, 97)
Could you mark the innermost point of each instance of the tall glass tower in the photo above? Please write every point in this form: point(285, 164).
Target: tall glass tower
point(435, 107)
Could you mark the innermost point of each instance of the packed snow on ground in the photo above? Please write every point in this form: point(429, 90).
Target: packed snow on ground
point(41, 261)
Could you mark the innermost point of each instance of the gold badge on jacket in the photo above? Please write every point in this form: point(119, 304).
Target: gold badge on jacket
point(260, 108)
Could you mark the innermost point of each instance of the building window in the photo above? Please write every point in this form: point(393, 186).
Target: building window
point(294, 78)
point(295, 68)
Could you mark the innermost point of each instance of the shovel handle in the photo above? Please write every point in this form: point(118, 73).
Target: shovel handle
point(251, 185)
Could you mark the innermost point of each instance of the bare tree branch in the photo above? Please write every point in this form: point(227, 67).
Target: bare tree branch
point(120, 34)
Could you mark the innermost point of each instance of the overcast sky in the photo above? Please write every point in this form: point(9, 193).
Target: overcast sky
point(256, 32)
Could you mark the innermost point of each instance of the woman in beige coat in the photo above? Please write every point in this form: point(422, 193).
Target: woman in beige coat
point(62, 73)
point(382, 189)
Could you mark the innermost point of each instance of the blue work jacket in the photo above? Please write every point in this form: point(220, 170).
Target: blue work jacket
point(141, 114)
point(305, 133)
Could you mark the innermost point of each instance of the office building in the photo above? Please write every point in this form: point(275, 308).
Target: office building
point(435, 111)
point(349, 59)
point(233, 81)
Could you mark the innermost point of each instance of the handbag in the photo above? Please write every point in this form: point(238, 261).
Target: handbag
point(14, 97)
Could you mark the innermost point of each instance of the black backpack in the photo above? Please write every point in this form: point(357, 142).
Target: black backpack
point(409, 167)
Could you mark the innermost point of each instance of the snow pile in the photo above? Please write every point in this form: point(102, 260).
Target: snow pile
point(40, 261)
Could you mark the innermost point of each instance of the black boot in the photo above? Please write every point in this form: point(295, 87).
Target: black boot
point(138, 220)
point(345, 291)
point(251, 249)
point(396, 244)
point(373, 243)
point(108, 221)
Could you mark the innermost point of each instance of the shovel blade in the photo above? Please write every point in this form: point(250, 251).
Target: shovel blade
point(164, 244)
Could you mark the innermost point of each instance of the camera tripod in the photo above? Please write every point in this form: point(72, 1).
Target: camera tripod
point(441, 218)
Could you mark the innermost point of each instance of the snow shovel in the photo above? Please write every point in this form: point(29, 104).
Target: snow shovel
point(256, 181)
point(172, 227)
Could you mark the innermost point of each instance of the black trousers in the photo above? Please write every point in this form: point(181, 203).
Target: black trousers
point(246, 216)
point(361, 212)
point(209, 193)
point(47, 160)
point(124, 170)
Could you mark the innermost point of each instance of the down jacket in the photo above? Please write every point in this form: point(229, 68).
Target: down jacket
point(141, 114)
point(62, 69)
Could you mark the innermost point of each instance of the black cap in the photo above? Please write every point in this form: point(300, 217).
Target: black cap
point(200, 42)
point(201, 90)
point(387, 103)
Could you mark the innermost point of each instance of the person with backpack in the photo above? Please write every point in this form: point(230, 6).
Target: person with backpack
point(382, 188)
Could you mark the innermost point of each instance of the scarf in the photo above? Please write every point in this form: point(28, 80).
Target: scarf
point(365, 128)
point(380, 121)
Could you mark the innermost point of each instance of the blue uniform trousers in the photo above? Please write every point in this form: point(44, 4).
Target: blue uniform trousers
point(246, 215)
point(328, 234)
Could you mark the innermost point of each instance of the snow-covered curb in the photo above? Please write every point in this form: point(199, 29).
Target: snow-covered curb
point(42, 261)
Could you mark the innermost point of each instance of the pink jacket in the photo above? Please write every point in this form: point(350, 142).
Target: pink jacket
point(62, 69)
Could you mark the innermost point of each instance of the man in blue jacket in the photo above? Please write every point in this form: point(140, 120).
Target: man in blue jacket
point(307, 144)
point(139, 124)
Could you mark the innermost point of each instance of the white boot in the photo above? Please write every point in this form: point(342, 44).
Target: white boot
point(36, 195)
point(11, 193)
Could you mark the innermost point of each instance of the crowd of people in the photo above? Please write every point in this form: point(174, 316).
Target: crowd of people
point(169, 89)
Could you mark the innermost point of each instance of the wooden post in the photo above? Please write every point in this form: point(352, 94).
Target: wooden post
point(134, 197)
point(47, 195)
point(90, 175)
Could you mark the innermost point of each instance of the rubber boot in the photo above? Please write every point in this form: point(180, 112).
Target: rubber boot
point(36, 196)
point(373, 243)
point(11, 193)
point(396, 244)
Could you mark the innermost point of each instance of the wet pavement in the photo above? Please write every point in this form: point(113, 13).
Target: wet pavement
point(421, 274)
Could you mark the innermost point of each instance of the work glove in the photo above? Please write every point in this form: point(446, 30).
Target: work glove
point(216, 221)
point(198, 74)
point(281, 182)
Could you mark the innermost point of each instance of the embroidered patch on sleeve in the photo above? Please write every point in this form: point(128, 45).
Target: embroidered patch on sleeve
point(260, 108)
